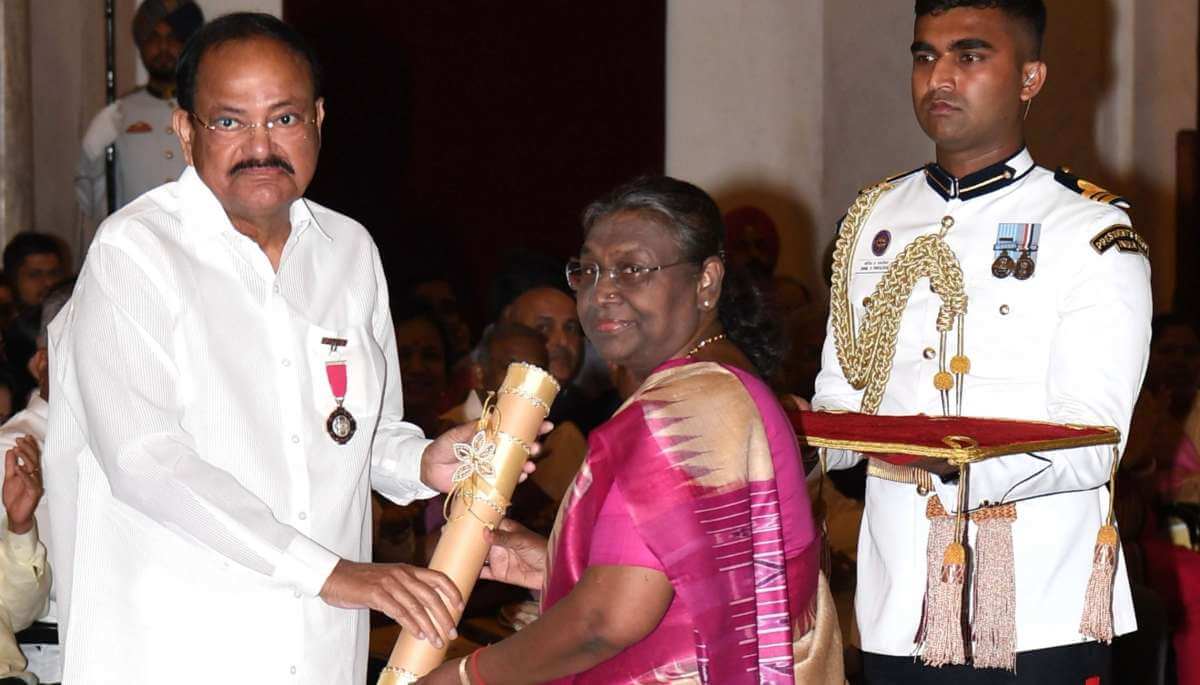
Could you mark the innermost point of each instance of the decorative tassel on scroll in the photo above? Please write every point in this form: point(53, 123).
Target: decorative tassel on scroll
point(1097, 620)
point(488, 471)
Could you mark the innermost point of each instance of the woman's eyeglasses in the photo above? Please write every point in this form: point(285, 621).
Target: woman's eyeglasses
point(586, 275)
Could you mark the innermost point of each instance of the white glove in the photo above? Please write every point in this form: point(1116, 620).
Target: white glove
point(103, 131)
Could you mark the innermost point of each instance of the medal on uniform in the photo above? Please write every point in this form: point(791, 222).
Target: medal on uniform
point(341, 424)
point(1003, 266)
point(1002, 251)
point(1027, 263)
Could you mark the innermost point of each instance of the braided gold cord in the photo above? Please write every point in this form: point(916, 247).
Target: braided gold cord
point(866, 354)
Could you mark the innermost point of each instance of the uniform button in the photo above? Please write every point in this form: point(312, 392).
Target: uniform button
point(947, 221)
point(303, 516)
point(168, 154)
point(295, 438)
point(929, 353)
point(866, 302)
point(287, 362)
point(1004, 310)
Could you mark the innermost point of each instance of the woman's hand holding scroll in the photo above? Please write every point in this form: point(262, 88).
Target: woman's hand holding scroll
point(517, 556)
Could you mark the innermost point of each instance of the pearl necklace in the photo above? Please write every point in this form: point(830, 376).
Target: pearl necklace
point(703, 343)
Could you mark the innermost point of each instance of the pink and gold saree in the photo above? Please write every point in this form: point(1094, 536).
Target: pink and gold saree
point(698, 475)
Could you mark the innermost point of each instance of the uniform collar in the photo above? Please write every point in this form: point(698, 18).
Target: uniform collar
point(982, 182)
point(203, 213)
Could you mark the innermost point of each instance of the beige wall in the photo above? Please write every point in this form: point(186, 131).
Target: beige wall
point(744, 110)
point(68, 88)
point(802, 103)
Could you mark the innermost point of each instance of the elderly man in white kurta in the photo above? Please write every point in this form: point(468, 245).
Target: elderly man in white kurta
point(226, 395)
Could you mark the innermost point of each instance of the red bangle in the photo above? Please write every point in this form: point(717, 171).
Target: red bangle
point(473, 665)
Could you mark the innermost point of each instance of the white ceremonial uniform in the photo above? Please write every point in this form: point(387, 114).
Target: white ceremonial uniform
point(148, 153)
point(1069, 345)
point(198, 502)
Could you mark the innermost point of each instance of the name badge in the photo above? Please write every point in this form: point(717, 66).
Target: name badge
point(872, 266)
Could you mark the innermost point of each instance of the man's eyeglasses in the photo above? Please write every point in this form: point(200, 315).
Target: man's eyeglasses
point(285, 126)
point(586, 275)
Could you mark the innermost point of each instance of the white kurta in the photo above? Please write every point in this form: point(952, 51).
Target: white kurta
point(198, 502)
point(1068, 345)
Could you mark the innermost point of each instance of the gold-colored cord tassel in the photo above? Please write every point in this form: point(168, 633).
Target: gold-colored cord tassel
point(994, 625)
point(941, 632)
point(1097, 620)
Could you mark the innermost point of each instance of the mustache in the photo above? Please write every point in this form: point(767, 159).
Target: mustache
point(270, 162)
point(940, 98)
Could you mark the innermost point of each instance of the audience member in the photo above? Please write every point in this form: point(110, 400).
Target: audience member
point(8, 301)
point(139, 124)
point(753, 243)
point(40, 645)
point(439, 295)
point(24, 573)
point(36, 262)
point(551, 312)
point(422, 346)
point(502, 344)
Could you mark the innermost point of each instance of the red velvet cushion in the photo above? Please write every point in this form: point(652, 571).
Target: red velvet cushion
point(902, 439)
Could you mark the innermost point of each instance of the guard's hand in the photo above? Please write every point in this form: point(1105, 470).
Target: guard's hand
point(438, 461)
point(423, 601)
point(938, 467)
point(22, 484)
point(517, 556)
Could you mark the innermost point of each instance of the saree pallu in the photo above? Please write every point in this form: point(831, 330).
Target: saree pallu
point(710, 472)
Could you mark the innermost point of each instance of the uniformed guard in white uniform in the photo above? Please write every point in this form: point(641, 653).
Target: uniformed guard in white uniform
point(139, 124)
point(1056, 329)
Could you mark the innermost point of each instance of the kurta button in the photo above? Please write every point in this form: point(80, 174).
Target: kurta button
point(929, 353)
point(297, 594)
point(275, 288)
point(287, 362)
point(302, 516)
point(1004, 310)
point(168, 154)
point(295, 438)
point(293, 670)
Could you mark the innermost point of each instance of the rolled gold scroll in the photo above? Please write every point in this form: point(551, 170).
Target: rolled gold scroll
point(490, 468)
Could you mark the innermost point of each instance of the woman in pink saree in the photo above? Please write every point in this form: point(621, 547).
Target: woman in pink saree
point(685, 550)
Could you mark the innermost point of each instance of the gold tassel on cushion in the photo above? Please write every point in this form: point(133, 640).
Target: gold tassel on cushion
point(994, 625)
point(941, 632)
point(1097, 621)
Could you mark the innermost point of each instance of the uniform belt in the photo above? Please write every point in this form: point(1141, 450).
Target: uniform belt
point(921, 478)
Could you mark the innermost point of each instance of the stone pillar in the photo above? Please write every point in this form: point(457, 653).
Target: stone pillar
point(16, 121)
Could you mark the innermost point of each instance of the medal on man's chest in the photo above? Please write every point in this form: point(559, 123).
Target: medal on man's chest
point(1019, 239)
point(341, 424)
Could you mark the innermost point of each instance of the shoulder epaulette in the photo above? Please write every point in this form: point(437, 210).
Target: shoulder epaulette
point(1088, 189)
point(889, 179)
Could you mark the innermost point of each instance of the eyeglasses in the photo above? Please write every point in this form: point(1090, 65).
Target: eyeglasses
point(289, 125)
point(586, 275)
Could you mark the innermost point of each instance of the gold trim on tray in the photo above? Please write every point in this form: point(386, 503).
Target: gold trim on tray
point(962, 449)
